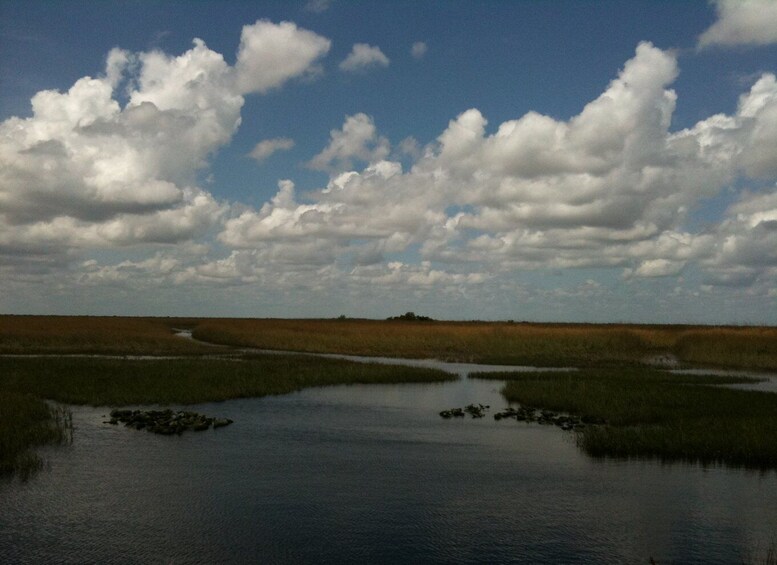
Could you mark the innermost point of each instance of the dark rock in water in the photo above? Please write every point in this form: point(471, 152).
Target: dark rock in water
point(544, 417)
point(524, 414)
point(474, 410)
point(166, 422)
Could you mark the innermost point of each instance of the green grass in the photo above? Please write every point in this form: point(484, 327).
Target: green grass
point(119, 382)
point(26, 421)
point(653, 414)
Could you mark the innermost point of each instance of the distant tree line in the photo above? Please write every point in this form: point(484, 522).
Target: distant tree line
point(411, 317)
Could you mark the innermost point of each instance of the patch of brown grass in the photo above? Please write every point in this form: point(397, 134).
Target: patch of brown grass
point(94, 334)
point(484, 342)
point(500, 342)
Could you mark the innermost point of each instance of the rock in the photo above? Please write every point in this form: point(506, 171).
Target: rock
point(166, 422)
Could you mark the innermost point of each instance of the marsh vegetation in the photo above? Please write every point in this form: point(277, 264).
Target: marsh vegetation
point(95, 335)
point(26, 420)
point(541, 345)
point(649, 413)
point(654, 414)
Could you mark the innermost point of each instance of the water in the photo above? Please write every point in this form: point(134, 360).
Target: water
point(372, 474)
point(767, 382)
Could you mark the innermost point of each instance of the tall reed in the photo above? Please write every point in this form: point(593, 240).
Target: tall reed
point(27, 422)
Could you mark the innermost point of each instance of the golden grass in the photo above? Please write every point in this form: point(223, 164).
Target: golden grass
point(94, 334)
point(505, 343)
point(484, 342)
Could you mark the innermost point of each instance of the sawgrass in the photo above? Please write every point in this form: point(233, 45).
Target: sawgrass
point(542, 345)
point(93, 334)
point(654, 414)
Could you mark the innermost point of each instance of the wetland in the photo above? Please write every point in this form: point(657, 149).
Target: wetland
point(641, 462)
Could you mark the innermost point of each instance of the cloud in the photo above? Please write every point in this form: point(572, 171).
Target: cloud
point(363, 56)
point(742, 22)
point(270, 54)
point(418, 50)
point(83, 172)
point(611, 187)
point(267, 147)
point(745, 246)
point(743, 142)
point(317, 6)
point(656, 268)
point(357, 140)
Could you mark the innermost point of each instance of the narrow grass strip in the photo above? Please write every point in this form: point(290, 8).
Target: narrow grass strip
point(118, 382)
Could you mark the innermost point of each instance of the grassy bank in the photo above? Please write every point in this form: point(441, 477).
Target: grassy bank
point(26, 421)
point(651, 414)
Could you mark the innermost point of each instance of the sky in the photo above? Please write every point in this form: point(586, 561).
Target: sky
point(580, 161)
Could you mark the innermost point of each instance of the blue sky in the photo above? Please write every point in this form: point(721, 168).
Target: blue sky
point(550, 161)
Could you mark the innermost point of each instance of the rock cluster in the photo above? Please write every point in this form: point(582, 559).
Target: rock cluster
point(525, 414)
point(474, 410)
point(546, 417)
point(166, 422)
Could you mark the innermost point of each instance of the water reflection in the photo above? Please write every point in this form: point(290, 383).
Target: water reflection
point(354, 474)
point(767, 381)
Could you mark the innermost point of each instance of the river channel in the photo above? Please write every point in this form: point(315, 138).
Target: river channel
point(372, 474)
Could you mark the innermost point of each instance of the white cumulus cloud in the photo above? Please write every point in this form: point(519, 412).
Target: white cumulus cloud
point(270, 54)
point(267, 147)
point(742, 22)
point(363, 56)
point(86, 172)
point(358, 139)
point(611, 187)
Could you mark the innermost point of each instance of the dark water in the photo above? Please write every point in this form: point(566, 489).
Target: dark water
point(371, 474)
